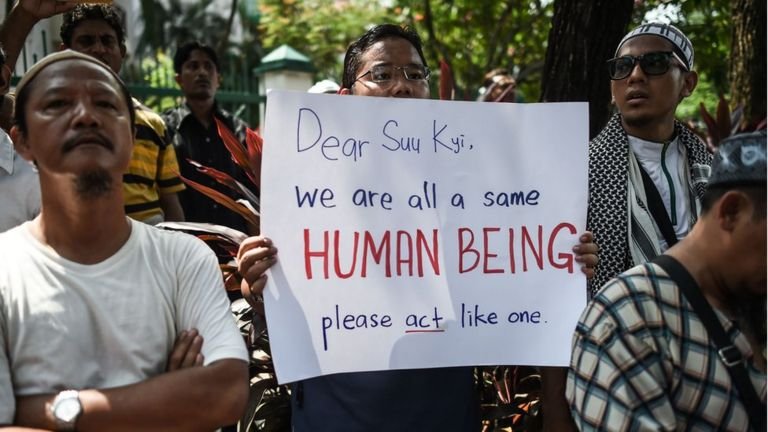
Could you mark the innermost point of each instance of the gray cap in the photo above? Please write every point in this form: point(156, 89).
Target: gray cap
point(680, 43)
point(58, 56)
point(740, 160)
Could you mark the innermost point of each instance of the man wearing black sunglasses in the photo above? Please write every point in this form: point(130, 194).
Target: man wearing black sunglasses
point(647, 171)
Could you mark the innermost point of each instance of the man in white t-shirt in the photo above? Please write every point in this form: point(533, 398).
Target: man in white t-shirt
point(91, 302)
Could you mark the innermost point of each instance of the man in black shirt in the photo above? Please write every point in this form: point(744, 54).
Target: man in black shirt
point(195, 136)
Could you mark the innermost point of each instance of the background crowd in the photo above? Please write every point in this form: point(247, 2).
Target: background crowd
point(674, 335)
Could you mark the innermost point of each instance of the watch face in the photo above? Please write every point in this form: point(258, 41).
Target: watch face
point(67, 410)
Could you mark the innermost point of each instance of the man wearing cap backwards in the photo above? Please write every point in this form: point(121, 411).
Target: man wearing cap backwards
point(642, 359)
point(88, 318)
point(650, 75)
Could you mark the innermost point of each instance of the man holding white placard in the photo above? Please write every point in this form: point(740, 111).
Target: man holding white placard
point(387, 61)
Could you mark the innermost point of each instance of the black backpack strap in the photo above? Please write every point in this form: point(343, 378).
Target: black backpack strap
point(729, 354)
point(656, 207)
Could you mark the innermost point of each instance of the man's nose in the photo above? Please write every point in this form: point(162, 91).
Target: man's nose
point(97, 48)
point(637, 73)
point(85, 115)
point(400, 85)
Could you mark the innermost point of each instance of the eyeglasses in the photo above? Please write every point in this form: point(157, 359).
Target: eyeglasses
point(653, 63)
point(384, 73)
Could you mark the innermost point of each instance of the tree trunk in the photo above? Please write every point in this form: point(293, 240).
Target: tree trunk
point(583, 37)
point(748, 59)
point(224, 41)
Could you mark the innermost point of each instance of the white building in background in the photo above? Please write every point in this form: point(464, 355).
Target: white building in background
point(44, 37)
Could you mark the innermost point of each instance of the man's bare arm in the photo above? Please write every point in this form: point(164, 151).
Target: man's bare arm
point(19, 22)
point(171, 207)
point(191, 399)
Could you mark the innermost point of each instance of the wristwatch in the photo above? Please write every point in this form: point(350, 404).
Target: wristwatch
point(66, 408)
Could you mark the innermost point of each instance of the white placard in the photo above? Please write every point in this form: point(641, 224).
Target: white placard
point(421, 233)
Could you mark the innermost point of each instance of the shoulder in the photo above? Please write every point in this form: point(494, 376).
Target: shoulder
point(175, 245)
point(11, 236)
point(15, 246)
point(174, 116)
point(612, 132)
point(694, 145)
point(629, 303)
point(232, 120)
point(145, 116)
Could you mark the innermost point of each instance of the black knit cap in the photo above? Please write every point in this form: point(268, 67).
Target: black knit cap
point(740, 160)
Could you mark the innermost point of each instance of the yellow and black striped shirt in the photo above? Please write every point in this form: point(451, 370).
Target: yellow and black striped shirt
point(153, 170)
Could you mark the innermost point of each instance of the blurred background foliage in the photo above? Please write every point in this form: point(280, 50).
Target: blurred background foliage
point(472, 36)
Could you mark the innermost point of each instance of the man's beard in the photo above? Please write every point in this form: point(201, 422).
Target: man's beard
point(93, 184)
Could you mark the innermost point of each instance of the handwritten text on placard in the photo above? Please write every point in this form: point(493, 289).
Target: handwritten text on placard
point(418, 233)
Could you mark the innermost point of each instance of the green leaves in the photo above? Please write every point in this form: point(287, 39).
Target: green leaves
point(320, 29)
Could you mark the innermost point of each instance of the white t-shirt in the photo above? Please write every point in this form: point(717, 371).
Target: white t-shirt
point(665, 165)
point(65, 325)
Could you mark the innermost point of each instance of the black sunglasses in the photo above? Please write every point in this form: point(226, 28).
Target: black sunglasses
point(653, 63)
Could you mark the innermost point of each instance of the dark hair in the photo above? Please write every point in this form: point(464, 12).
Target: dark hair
point(755, 192)
point(184, 52)
point(20, 115)
point(2, 55)
point(360, 46)
point(84, 12)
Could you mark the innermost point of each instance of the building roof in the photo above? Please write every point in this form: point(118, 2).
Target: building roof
point(285, 58)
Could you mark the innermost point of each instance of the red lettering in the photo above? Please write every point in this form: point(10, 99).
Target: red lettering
point(432, 255)
point(538, 255)
point(320, 254)
point(512, 250)
point(463, 250)
point(404, 241)
point(487, 255)
point(336, 263)
point(377, 252)
point(568, 257)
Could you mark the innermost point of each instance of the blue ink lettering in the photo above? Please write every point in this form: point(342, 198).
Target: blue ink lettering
point(326, 196)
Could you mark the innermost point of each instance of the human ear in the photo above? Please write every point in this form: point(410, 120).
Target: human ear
point(345, 91)
point(732, 207)
point(690, 79)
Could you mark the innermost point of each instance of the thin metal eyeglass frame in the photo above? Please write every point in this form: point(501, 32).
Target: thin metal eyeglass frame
point(427, 74)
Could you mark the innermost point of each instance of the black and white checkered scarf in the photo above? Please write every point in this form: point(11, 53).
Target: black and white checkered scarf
point(624, 229)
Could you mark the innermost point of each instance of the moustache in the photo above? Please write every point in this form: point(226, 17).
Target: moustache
point(87, 137)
